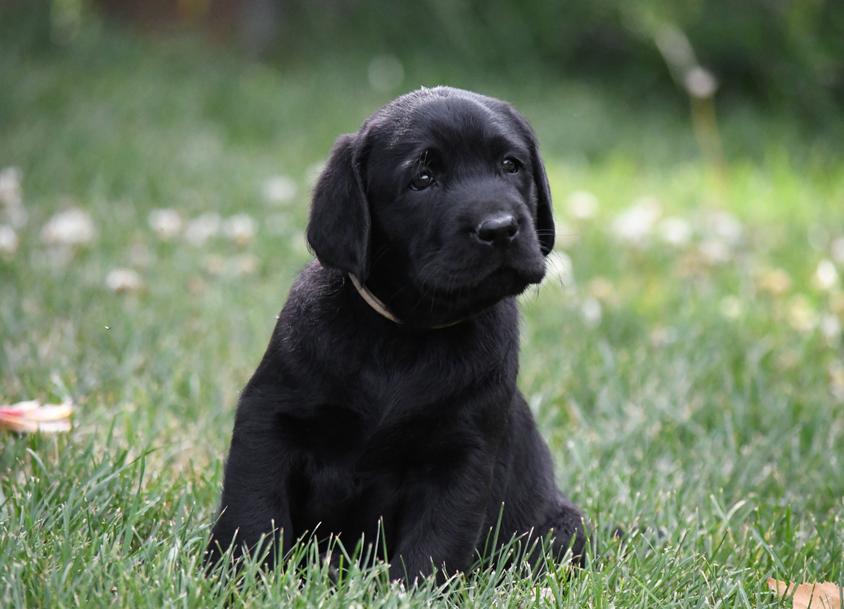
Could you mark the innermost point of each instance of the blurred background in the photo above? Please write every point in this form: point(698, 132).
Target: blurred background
point(780, 52)
point(586, 66)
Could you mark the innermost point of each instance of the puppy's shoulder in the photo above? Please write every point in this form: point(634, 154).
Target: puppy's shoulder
point(315, 286)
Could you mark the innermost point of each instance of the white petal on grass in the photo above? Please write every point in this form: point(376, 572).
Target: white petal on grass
point(167, 223)
point(278, 189)
point(725, 227)
point(826, 275)
point(635, 224)
point(559, 269)
point(123, 281)
point(11, 193)
point(202, 228)
point(830, 327)
point(715, 251)
point(70, 227)
point(801, 316)
point(240, 228)
point(582, 205)
point(675, 231)
point(837, 250)
point(11, 197)
point(592, 311)
point(8, 240)
point(731, 307)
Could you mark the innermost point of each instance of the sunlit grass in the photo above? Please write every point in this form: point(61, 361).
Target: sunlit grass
point(692, 385)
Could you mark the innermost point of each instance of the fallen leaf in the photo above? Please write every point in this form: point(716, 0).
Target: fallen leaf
point(31, 416)
point(826, 595)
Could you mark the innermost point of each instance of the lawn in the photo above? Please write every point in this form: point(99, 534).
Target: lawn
point(684, 358)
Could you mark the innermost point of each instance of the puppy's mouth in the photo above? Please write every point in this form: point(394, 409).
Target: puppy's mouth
point(495, 282)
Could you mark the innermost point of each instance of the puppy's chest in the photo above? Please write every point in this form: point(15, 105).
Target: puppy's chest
point(420, 377)
point(373, 437)
point(384, 405)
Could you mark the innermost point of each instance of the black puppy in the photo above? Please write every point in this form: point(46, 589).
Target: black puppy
point(387, 394)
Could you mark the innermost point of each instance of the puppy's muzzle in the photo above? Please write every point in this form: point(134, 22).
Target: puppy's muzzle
point(498, 230)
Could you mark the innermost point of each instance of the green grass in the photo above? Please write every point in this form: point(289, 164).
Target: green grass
point(697, 404)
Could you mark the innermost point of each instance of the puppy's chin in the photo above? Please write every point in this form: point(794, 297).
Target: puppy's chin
point(455, 299)
point(507, 278)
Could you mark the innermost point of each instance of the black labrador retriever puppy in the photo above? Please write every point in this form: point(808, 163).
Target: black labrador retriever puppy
point(387, 396)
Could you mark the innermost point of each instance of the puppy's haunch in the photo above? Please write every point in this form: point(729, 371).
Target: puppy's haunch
point(387, 395)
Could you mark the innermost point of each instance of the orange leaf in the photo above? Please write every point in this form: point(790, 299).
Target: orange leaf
point(817, 596)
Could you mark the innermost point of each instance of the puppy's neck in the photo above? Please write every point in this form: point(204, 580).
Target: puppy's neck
point(377, 305)
point(373, 301)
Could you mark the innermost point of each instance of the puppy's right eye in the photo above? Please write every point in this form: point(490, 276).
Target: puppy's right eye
point(422, 180)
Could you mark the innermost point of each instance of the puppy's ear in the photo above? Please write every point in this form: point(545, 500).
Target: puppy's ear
point(338, 229)
point(544, 213)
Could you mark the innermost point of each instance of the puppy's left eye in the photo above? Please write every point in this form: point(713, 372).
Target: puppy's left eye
point(510, 165)
point(422, 180)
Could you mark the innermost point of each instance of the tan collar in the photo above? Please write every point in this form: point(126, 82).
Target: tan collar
point(373, 301)
point(379, 307)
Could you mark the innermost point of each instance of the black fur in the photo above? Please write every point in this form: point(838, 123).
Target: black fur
point(352, 419)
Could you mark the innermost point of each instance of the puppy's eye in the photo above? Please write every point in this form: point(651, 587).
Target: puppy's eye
point(510, 165)
point(422, 180)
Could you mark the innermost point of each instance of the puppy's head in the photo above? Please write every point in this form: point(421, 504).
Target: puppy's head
point(439, 203)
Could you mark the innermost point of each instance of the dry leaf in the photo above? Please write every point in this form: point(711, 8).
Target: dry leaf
point(817, 596)
point(31, 416)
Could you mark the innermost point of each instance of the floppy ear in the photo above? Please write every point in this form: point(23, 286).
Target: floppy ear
point(338, 229)
point(544, 214)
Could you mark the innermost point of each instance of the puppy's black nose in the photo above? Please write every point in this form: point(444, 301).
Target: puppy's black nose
point(498, 230)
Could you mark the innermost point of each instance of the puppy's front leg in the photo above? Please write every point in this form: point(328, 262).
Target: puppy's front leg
point(255, 498)
point(443, 519)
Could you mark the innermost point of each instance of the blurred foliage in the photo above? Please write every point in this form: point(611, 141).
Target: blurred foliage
point(779, 52)
point(773, 49)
